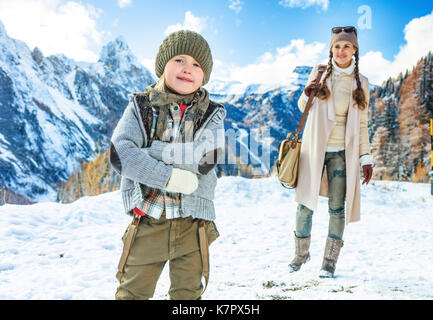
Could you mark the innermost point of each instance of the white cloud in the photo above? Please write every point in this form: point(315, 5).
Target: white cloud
point(191, 22)
point(54, 26)
point(149, 64)
point(419, 41)
point(123, 3)
point(375, 67)
point(272, 68)
point(236, 5)
point(304, 3)
point(275, 68)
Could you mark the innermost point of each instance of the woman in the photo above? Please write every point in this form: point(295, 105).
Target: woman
point(335, 141)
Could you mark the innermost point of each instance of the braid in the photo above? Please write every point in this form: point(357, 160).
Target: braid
point(324, 93)
point(358, 94)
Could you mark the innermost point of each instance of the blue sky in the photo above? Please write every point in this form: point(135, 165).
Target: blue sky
point(254, 41)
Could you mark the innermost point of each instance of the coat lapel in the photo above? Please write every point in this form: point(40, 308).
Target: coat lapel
point(352, 117)
point(331, 110)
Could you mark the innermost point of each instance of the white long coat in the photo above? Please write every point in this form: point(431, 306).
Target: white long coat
point(320, 122)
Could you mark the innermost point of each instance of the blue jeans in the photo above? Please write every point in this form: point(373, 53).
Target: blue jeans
point(335, 163)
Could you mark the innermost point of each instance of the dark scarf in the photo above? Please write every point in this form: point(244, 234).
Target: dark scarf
point(161, 98)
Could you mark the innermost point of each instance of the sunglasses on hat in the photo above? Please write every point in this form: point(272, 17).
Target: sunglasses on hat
point(345, 29)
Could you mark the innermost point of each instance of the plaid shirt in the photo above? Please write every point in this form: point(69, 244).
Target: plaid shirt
point(156, 200)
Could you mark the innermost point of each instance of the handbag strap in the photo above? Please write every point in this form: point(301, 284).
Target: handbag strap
point(322, 69)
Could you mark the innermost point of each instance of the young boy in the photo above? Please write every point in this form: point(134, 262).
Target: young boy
point(165, 147)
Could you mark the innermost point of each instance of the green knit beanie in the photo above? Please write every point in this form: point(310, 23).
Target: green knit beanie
point(184, 42)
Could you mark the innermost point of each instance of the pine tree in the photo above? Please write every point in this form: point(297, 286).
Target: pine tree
point(404, 107)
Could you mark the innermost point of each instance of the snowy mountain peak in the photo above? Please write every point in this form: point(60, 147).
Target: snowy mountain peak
point(55, 111)
point(120, 43)
point(303, 70)
point(301, 73)
point(114, 48)
point(116, 54)
point(298, 78)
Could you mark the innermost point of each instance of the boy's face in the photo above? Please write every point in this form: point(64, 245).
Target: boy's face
point(183, 74)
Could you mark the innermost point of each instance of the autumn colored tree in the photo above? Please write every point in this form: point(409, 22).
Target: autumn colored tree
point(89, 179)
point(399, 116)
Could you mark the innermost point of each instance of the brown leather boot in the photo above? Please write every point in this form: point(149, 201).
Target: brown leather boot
point(302, 255)
point(332, 251)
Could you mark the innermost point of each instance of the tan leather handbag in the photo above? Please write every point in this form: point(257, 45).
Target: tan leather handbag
point(290, 148)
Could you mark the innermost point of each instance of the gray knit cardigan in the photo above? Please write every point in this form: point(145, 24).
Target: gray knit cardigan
point(138, 165)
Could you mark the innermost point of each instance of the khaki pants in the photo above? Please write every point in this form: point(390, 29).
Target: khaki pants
point(158, 241)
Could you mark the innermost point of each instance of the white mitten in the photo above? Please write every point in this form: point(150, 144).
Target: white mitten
point(182, 181)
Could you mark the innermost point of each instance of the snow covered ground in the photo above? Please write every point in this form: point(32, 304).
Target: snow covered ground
point(71, 251)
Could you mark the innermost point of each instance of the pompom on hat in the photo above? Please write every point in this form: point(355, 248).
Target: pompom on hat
point(185, 42)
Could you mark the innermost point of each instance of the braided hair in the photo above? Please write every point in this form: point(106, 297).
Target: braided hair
point(358, 94)
point(324, 93)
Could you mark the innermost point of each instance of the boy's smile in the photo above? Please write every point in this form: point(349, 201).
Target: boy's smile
point(184, 79)
point(183, 74)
